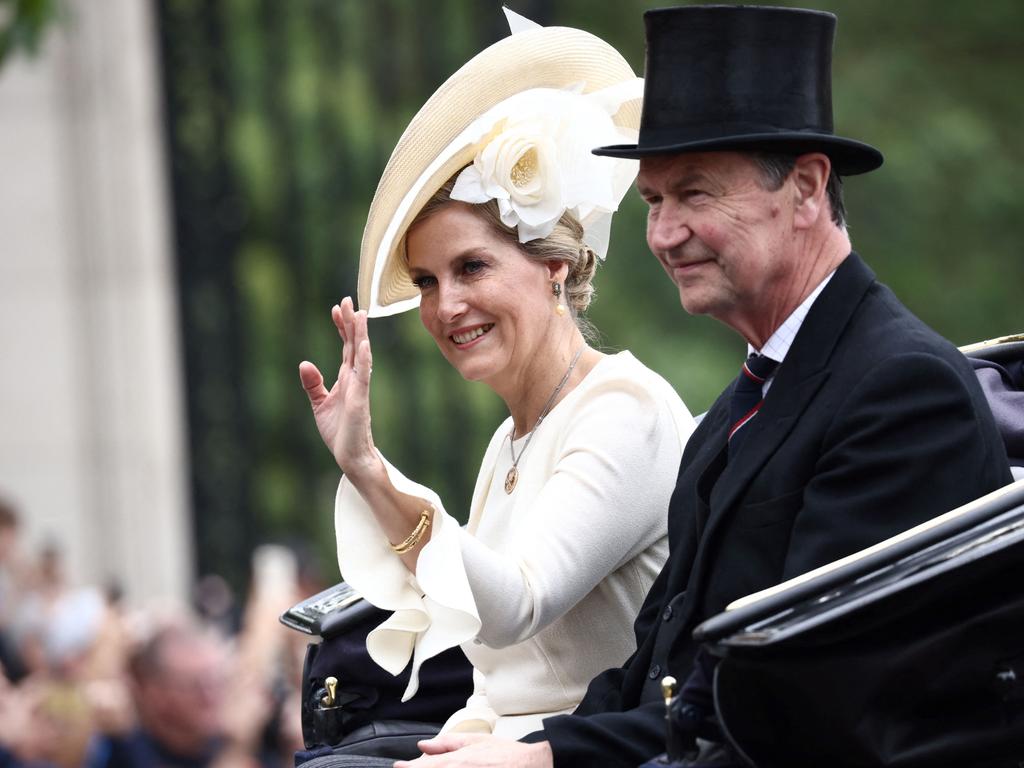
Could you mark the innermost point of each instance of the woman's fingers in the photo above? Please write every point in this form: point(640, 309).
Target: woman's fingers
point(356, 337)
point(449, 742)
point(352, 329)
point(337, 317)
point(348, 320)
point(361, 339)
point(364, 362)
point(312, 382)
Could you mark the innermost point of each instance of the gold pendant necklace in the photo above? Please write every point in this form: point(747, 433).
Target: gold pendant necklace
point(513, 474)
point(511, 479)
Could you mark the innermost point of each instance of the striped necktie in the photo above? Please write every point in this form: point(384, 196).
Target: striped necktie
point(747, 397)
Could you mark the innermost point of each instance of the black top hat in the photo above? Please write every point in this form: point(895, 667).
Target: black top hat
point(741, 77)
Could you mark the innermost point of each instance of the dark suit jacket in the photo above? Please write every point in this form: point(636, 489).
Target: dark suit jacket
point(872, 425)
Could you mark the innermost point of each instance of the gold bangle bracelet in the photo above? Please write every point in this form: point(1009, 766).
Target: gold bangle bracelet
point(413, 538)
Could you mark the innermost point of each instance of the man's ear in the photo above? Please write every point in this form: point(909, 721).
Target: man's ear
point(810, 177)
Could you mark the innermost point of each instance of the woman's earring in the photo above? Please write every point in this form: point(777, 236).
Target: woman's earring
point(556, 288)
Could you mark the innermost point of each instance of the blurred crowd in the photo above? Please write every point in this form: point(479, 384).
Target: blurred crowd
point(91, 682)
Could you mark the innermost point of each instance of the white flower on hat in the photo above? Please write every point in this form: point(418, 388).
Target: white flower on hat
point(535, 160)
point(518, 167)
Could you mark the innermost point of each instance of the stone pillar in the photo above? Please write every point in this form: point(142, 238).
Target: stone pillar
point(91, 414)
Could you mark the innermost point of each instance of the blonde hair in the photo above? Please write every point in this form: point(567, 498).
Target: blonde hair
point(564, 244)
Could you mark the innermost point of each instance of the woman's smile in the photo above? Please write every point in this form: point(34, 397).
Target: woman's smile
point(464, 337)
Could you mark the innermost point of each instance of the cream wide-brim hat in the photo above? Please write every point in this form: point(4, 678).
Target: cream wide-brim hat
point(430, 152)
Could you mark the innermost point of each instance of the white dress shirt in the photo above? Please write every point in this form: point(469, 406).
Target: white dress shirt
point(778, 344)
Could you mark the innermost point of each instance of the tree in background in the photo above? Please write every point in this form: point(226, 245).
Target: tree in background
point(281, 117)
point(23, 25)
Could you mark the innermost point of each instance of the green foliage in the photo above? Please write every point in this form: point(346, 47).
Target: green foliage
point(23, 24)
point(281, 117)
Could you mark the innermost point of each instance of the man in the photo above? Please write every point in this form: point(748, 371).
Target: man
point(853, 422)
point(179, 685)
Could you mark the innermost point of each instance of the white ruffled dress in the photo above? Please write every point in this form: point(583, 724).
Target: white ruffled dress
point(541, 588)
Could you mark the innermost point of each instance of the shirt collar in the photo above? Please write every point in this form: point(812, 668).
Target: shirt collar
point(778, 344)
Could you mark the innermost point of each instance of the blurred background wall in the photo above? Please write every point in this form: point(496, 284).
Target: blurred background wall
point(182, 194)
point(91, 414)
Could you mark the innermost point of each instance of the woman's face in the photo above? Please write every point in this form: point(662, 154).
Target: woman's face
point(487, 305)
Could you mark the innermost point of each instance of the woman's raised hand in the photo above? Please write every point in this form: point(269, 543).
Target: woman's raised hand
point(342, 413)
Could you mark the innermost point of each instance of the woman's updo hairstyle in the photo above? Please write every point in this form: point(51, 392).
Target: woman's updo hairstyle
point(564, 244)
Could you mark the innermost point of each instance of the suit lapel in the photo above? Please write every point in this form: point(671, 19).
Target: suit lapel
point(797, 380)
point(687, 510)
point(774, 422)
point(715, 463)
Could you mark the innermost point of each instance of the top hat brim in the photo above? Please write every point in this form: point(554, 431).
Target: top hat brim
point(849, 157)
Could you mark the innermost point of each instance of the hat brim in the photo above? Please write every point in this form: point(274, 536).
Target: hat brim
point(428, 154)
point(849, 157)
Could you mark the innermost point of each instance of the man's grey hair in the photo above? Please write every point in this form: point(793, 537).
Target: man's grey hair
point(775, 168)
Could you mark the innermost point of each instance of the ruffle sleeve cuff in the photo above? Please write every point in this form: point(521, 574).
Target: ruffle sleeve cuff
point(433, 609)
point(477, 716)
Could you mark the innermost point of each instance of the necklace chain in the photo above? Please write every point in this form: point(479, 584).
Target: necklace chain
point(513, 474)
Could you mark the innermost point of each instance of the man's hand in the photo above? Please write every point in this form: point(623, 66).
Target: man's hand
point(474, 750)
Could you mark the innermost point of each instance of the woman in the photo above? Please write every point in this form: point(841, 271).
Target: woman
point(491, 215)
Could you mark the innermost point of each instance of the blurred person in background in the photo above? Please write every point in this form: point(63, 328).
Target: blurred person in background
point(15, 580)
point(179, 683)
point(52, 717)
point(41, 597)
point(45, 724)
point(215, 603)
point(201, 698)
point(103, 686)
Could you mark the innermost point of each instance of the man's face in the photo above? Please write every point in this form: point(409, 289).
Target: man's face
point(182, 703)
point(723, 238)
